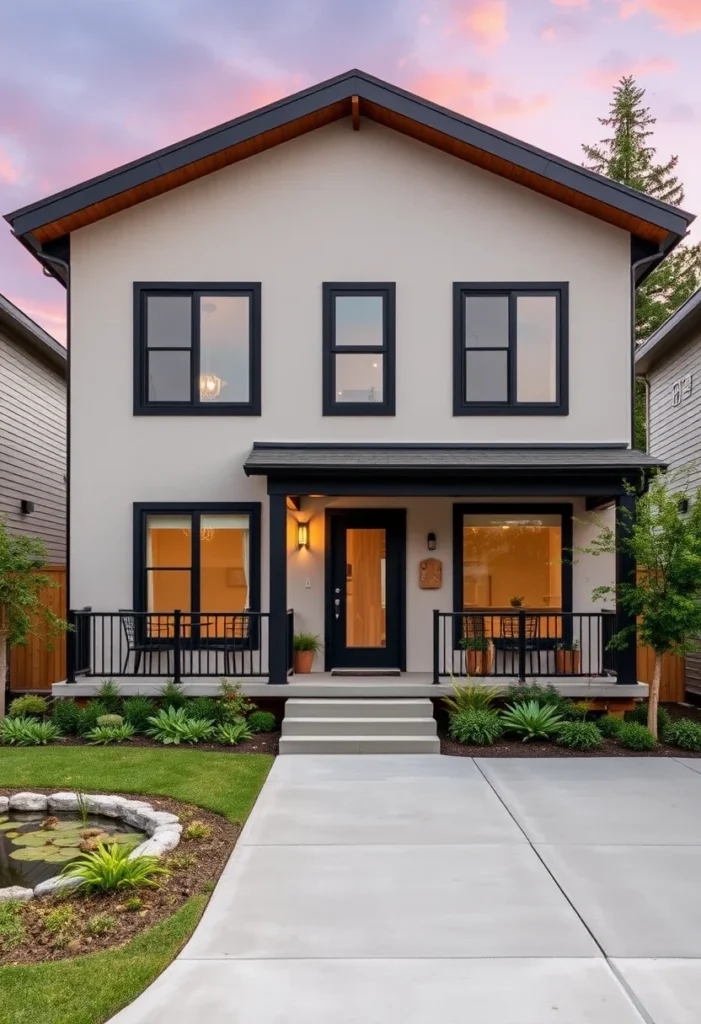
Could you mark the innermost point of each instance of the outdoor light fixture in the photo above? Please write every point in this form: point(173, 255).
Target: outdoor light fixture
point(27, 507)
point(303, 535)
point(431, 542)
point(210, 386)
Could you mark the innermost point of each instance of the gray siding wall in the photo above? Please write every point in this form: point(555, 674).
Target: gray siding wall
point(675, 434)
point(33, 446)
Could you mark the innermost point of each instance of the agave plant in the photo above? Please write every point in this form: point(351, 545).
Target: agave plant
point(27, 732)
point(531, 720)
point(470, 697)
point(233, 733)
point(103, 734)
point(172, 725)
point(109, 869)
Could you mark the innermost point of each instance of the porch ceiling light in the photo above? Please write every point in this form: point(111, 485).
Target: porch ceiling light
point(303, 535)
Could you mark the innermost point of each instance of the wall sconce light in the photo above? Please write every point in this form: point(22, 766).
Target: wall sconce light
point(303, 535)
point(26, 507)
point(683, 505)
point(431, 542)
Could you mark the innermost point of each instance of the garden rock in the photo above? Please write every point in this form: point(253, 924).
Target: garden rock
point(140, 815)
point(4, 804)
point(15, 892)
point(53, 886)
point(110, 806)
point(162, 841)
point(62, 802)
point(28, 802)
point(157, 819)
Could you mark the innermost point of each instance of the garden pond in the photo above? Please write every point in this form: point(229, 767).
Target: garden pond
point(34, 846)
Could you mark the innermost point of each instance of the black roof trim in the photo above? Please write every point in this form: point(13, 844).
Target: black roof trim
point(31, 335)
point(271, 459)
point(677, 328)
point(354, 82)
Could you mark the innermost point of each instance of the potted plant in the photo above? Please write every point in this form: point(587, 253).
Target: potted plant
point(305, 646)
point(517, 602)
point(567, 657)
point(478, 655)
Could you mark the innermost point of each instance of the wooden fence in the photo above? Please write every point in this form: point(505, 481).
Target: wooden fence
point(673, 673)
point(35, 667)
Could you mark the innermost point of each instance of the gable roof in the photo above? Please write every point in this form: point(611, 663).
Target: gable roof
point(676, 329)
point(31, 335)
point(657, 225)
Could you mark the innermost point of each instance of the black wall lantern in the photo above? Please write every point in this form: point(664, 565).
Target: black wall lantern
point(431, 542)
point(26, 506)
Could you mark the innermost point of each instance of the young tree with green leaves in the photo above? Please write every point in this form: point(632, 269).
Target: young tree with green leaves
point(22, 612)
point(665, 594)
point(628, 156)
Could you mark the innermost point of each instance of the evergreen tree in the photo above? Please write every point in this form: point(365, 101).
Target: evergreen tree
point(628, 156)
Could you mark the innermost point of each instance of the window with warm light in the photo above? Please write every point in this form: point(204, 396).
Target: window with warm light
point(358, 332)
point(197, 349)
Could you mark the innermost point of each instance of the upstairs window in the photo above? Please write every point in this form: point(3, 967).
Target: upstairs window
point(197, 349)
point(358, 327)
point(510, 349)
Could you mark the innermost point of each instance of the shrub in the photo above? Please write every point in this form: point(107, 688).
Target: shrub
point(137, 710)
point(109, 869)
point(27, 732)
point(307, 642)
point(636, 737)
point(12, 929)
point(531, 720)
point(59, 919)
point(578, 736)
point(261, 721)
point(203, 707)
point(233, 733)
point(543, 696)
point(684, 733)
point(578, 710)
point(89, 715)
point(65, 714)
point(476, 726)
point(197, 830)
point(24, 707)
point(639, 715)
point(133, 904)
point(100, 924)
point(172, 725)
point(172, 695)
point(110, 720)
point(182, 861)
point(234, 704)
point(610, 726)
point(108, 695)
point(470, 697)
point(103, 734)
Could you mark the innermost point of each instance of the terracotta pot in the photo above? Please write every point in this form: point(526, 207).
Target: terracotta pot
point(478, 663)
point(568, 662)
point(303, 662)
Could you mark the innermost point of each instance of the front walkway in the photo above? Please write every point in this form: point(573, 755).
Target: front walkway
point(374, 889)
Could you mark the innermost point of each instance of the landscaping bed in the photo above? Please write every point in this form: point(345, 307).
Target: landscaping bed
point(261, 743)
point(516, 748)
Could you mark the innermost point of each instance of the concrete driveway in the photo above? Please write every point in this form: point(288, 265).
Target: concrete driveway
point(374, 889)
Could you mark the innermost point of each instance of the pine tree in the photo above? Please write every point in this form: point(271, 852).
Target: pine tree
point(629, 157)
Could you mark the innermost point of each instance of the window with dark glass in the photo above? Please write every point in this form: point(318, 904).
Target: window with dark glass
point(358, 349)
point(510, 349)
point(197, 349)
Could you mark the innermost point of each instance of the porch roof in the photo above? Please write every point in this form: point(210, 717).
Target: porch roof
point(285, 459)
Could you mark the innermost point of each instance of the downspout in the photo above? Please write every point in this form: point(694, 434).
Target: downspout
point(646, 384)
point(633, 343)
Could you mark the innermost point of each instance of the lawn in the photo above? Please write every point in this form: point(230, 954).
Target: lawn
point(89, 990)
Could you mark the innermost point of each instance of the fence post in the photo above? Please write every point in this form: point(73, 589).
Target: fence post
point(71, 646)
point(176, 645)
point(521, 646)
point(436, 641)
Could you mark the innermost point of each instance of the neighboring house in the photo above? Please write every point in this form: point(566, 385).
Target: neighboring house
point(670, 363)
point(358, 357)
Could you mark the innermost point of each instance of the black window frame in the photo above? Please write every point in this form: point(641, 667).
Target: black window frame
point(511, 407)
point(142, 510)
point(195, 407)
point(387, 291)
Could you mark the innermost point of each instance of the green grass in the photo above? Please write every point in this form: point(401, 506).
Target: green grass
point(91, 989)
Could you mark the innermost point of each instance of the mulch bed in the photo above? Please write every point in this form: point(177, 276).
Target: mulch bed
point(261, 743)
point(609, 748)
point(208, 857)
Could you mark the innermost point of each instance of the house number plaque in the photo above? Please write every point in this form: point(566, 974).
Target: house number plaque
point(431, 574)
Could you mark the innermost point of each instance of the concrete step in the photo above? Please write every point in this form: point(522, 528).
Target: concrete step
point(324, 707)
point(407, 727)
point(360, 745)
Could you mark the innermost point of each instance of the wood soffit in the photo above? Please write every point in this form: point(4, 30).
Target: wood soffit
point(352, 107)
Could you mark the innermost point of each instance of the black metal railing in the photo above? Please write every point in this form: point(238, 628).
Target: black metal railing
point(176, 644)
point(290, 640)
point(522, 643)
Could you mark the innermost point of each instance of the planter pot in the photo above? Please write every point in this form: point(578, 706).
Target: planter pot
point(479, 663)
point(568, 662)
point(303, 662)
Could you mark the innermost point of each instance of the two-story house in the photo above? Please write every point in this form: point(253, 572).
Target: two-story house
point(353, 365)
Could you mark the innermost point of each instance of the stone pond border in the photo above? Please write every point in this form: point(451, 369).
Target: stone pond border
point(162, 828)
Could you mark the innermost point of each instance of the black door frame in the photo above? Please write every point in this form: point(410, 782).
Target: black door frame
point(394, 521)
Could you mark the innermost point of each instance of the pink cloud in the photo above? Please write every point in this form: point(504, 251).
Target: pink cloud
point(677, 16)
point(520, 106)
point(473, 93)
point(8, 172)
point(570, 3)
point(617, 64)
point(484, 21)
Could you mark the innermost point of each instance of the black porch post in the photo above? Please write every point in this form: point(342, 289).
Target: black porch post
point(626, 659)
point(277, 628)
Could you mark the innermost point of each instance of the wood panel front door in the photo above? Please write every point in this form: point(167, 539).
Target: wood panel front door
point(365, 592)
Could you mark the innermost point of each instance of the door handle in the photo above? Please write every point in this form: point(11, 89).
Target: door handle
point(337, 607)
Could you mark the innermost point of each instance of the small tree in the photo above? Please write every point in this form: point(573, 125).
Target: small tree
point(22, 612)
point(665, 595)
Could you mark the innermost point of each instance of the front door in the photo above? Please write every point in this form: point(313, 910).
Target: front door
point(365, 593)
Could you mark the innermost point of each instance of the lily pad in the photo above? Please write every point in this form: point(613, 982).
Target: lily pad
point(63, 855)
point(12, 835)
point(29, 853)
point(72, 839)
point(132, 838)
point(30, 839)
point(4, 825)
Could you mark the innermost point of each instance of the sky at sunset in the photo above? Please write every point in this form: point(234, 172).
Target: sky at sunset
point(86, 85)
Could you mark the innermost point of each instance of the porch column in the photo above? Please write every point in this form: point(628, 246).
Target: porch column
point(277, 623)
point(626, 659)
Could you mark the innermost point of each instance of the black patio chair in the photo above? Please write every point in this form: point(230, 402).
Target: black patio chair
point(235, 637)
point(137, 644)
